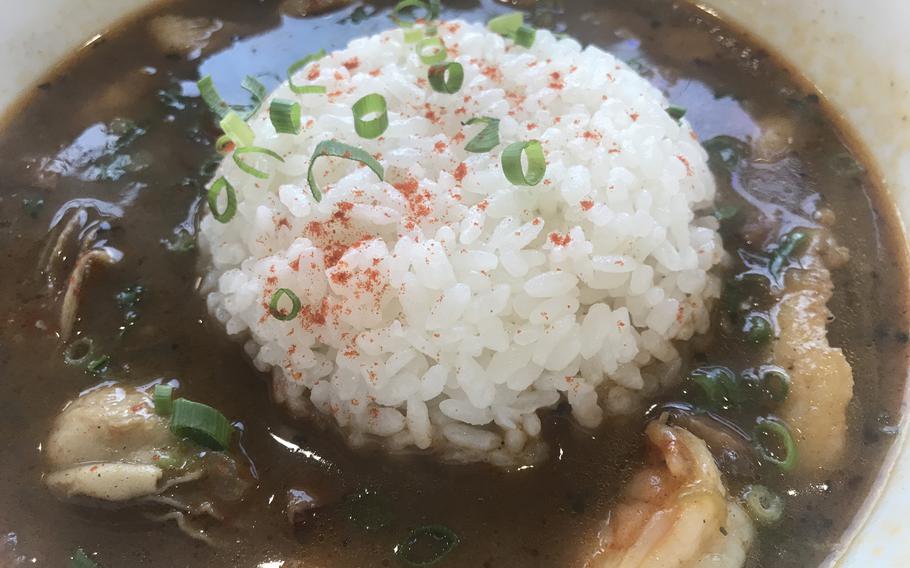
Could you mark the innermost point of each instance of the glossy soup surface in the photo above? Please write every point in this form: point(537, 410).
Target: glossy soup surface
point(120, 128)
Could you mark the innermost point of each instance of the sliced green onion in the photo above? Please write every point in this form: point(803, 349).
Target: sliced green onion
point(789, 245)
point(230, 207)
point(277, 312)
point(446, 77)
point(719, 384)
point(202, 424)
point(413, 35)
point(676, 112)
point(368, 509)
point(254, 150)
point(223, 144)
point(297, 66)
point(257, 90)
point(164, 399)
point(79, 352)
point(237, 129)
point(506, 24)
point(726, 152)
point(99, 365)
point(210, 95)
point(775, 382)
point(776, 430)
point(763, 505)
point(372, 104)
point(430, 11)
point(431, 50)
point(426, 546)
point(487, 139)
point(79, 559)
point(513, 168)
point(524, 36)
point(285, 116)
point(758, 328)
point(336, 149)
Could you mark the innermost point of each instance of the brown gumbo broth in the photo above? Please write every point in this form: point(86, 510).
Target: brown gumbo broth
point(120, 129)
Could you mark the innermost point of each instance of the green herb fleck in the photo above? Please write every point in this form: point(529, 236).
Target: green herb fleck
point(33, 206)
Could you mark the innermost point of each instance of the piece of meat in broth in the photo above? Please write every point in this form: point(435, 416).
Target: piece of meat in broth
point(676, 512)
point(821, 378)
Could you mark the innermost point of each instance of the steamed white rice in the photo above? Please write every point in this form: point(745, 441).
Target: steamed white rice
point(445, 307)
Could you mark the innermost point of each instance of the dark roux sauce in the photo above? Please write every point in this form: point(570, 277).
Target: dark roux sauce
point(59, 146)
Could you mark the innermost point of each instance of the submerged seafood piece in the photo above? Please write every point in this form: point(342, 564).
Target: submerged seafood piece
point(676, 512)
point(822, 380)
point(110, 446)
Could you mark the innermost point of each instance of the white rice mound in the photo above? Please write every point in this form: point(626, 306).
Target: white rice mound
point(445, 307)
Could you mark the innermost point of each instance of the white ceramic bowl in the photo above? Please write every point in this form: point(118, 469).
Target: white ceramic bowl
point(857, 53)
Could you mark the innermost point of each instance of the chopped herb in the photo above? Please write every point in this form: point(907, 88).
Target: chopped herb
point(230, 208)
point(368, 510)
point(300, 65)
point(427, 545)
point(182, 240)
point(487, 139)
point(431, 50)
point(285, 116)
point(430, 10)
point(79, 559)
point(33, 206)
point(98, 366)
point(524, 36)
point(256, 90)
point(202, 424)
point(246, 168)
point(237, 129)
point(763, 505)
point(757, 328)
point(676, 112)
point(506, 24)
point(781, 258)
point(719, 385)
point(277, 311)
point(775, 444)
point(446, 77)
point(164, 400)
point(371, 116)
point(726, 152)
point(359, 14)
point(336, 149)
point(536, 160)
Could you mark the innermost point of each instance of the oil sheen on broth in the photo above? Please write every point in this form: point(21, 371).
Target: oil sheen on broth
point(120, 126)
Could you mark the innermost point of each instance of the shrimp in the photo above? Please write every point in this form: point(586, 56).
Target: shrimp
point(676, 512)
point(821, 378)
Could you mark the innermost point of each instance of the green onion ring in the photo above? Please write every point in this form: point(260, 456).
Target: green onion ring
point(163, 397)
point(297, 66)
point(779, 430)
point(223, 144)
point(413, 35)
point(285, 116)
point(210, 95)
point(442, 536)
point(524, 36)
point(431, 12)
point(763, 505)
point(202, 424)
point(334, 148)
point(254, 150)
point(230, 208)
point(79, 559)
point(257, 90)
point(537, 163)
point(276, 312)
point(676, 112)
point(775, 382)
point(446, 77)
point(237, 129)
point(431, 50)
point(373, 103)
point(71, 353)
point(506, 24)
point(486, 139)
